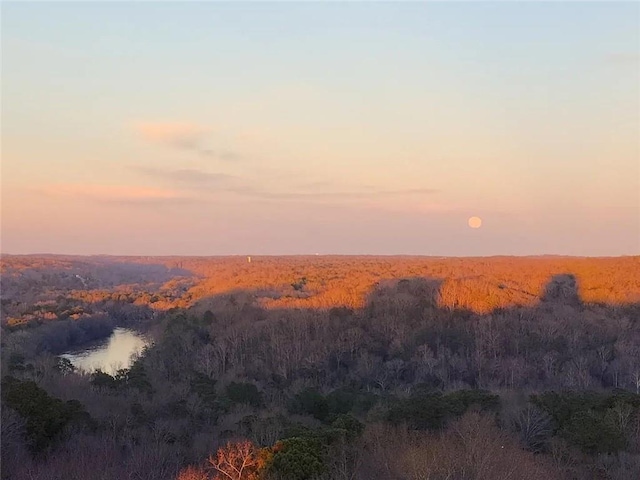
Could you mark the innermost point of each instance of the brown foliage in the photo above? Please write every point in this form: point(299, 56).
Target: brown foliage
point(478, 284)
point(472, 448)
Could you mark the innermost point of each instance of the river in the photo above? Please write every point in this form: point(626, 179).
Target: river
point(111, 354)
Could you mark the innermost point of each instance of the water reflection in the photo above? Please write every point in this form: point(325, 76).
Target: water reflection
point(109, 356)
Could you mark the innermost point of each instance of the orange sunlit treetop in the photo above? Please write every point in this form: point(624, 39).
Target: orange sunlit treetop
point(478, 284)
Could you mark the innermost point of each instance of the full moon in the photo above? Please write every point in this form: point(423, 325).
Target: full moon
point(475, 222)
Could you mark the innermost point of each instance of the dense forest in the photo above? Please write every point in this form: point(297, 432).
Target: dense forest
point(324, 368)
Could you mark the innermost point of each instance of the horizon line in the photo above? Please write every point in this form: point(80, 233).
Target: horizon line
point(539, 255)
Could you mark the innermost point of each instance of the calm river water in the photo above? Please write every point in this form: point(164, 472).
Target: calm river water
point(111, 354)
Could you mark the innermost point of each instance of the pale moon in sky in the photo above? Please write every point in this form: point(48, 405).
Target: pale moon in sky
point(475, 222)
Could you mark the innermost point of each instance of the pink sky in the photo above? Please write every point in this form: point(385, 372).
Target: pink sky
point(239, 132)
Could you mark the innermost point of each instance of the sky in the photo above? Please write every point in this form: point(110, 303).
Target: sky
point(211, 128)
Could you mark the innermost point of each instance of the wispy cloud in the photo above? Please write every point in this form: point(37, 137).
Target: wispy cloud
point(192, 178)
point(311, 191)
point(182, 135)
point(623, 58)
point(170, 132)
point(112, 193)
point(332, 195)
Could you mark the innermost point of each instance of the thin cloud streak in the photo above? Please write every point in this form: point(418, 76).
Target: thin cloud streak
point(331, 195)
point(112, 193)
point(623, 58)
point(221, 182)
point(183, 136)
point(192, 177)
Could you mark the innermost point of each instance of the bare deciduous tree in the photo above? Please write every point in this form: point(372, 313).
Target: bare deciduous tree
point(236, 461)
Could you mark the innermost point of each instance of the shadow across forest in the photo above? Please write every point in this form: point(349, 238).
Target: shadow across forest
point(402, 338)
